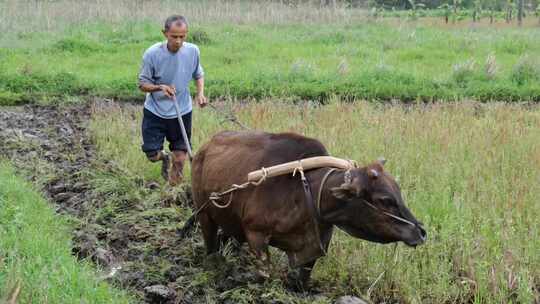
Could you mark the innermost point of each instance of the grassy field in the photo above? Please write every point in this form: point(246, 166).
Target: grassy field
point(36, 265)
point(469, 171)
point(249, 50)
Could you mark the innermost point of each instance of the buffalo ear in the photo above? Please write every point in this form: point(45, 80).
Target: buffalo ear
point(376, 168)
point(372, 173)
point(347, 191)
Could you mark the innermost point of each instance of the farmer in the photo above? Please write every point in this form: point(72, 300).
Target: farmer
point(167, 68)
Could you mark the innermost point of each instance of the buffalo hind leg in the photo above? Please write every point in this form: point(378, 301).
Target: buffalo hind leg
point(209, 230)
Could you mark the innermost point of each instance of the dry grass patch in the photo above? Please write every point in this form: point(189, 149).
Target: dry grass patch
point(470, 171)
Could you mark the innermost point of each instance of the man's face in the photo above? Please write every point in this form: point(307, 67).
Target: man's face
point(176, 35)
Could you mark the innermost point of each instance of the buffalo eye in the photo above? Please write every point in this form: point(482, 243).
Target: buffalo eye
point(387, 201)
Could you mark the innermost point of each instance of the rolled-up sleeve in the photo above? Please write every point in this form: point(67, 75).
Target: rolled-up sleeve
point(198, 70)
point(146, 74)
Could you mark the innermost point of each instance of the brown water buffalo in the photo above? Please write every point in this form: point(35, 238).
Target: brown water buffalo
point(364, 202)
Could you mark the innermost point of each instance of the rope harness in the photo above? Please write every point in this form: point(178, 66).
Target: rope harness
point(215, 196)
point(314, 207)
point(319, 195)
point(315, 214)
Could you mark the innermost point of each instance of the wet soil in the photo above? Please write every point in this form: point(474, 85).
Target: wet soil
point(127, 227)
point(50, 145)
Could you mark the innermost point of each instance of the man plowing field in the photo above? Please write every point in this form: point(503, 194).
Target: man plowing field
point(167, 68)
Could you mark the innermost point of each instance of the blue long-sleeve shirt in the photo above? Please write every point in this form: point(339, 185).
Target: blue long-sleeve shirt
point(160, 66)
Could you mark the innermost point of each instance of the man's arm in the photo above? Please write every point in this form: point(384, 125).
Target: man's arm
point(198, 75)
point(200, 98)
point(199, 83)
point(146, 87)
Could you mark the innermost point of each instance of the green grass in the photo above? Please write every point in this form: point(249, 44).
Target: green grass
point(469, 171)
point(382, 60)
point(35, 251)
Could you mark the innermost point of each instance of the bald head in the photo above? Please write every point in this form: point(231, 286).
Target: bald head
point(175, 20)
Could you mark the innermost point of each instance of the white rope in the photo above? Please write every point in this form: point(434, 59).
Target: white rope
point(319, 195)
point(216, 196)
point(300, 169)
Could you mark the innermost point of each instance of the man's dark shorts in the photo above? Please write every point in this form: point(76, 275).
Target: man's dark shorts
point(155, 129)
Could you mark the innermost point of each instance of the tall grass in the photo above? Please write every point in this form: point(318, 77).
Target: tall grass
point(36, 265)
point(311, 62)
point(469, 171)
point(28, 16)
point(95, 48)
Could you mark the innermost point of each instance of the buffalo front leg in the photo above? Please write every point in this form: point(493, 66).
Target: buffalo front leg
point(209, 230)
point(258, 244)
point(298, 278)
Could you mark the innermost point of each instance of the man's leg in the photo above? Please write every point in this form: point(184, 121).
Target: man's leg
point(153, 133)
point(176, 173)
point(178, 147)
point(166, 161)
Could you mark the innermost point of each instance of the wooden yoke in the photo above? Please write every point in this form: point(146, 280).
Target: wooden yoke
point(304, 164)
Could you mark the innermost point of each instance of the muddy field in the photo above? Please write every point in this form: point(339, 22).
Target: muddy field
point(131, 237)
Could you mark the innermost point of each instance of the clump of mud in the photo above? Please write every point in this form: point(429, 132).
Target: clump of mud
point(128, 229)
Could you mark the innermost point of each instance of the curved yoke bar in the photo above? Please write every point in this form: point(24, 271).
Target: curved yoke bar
point(303, 164)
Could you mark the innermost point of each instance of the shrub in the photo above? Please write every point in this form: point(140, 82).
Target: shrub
point(301, 69)
point(199, 36)
point(463, 72)
point(75, 45)
point(491, 68)
point(10, 99)
point(31, 87)
point(527, 69)
point(65, 83)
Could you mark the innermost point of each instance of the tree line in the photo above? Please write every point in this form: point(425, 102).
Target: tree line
point(450, 9)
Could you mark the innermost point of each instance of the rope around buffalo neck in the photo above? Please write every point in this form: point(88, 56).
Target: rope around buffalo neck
point(319, 195)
